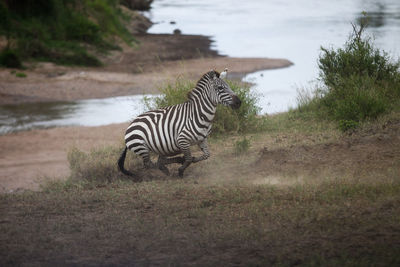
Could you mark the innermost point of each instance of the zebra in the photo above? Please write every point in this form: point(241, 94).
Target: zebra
point(171, 131)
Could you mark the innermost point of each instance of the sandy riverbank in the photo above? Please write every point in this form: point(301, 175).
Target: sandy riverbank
point(135, 70)
point(74, 83)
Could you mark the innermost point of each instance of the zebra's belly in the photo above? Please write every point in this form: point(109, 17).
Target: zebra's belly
point(163, 147)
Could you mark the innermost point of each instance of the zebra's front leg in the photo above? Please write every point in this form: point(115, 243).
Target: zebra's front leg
point(204, 148)
point(188, 160)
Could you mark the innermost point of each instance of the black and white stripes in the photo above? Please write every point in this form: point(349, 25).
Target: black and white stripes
point(172, 130)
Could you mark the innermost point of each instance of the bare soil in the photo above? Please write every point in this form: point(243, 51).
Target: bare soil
point(29, 158)
point(375, 153)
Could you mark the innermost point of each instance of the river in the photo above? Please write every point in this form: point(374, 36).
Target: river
point(289, 29)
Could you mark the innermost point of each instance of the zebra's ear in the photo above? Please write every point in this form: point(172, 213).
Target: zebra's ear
point(224, 73)
point(214, 74)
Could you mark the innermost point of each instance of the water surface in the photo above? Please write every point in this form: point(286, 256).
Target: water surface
point(90, 112)
point(289, 29)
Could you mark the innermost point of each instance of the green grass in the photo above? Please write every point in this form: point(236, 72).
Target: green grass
point(20, 75)
point(242, 146)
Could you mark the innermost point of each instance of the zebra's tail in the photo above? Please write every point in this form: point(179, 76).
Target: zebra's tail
point(121, 162)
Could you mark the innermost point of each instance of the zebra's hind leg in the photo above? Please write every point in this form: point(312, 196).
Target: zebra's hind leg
point(148, 164)
point(162, 160)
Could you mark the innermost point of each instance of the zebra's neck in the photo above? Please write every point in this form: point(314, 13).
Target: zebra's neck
point(202, 111)
point(202, 89)
point(200, 99)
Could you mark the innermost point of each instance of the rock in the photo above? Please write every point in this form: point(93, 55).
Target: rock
point(137, 23)
point(177, 32)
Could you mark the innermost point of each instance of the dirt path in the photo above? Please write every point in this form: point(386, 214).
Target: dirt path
point(27, 158)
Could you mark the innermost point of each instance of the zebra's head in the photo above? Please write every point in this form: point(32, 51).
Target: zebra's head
point(223, 93)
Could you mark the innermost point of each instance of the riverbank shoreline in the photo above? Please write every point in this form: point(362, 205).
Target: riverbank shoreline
point(132, 71)
point(74, 83)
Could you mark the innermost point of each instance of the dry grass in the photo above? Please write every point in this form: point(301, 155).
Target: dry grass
point(183, 222)
point(234, 210)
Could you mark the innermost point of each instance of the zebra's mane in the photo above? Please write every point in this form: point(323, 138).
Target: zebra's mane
point(205, 78)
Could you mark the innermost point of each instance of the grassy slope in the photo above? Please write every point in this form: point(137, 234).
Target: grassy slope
point(228, 210)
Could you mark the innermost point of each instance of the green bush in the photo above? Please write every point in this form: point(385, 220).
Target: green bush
point(226, 120)
point(171, 94)
point(357, 99)
point(10, 59)
point(62, 31)
point(142, 5)
point(360, 82)
point(346, 125)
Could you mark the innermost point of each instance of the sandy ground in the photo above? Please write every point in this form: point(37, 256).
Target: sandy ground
point(73, 83)
point(27, 158)
point(135, 70)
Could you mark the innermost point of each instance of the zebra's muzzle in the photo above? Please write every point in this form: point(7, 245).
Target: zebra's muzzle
point(236, 102)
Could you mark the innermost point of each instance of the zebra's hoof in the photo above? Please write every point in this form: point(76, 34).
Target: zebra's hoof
point(165, 171)
point(180, 172)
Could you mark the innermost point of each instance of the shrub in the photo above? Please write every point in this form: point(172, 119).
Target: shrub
point(360, 82)
point(357, 99)
point(96, 166)
point(142, 5)
point(242, 120)
point(9, 59)
point(226, 120)
point(62, 31)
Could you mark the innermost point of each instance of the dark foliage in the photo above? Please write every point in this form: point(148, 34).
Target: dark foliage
point(62, 31)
